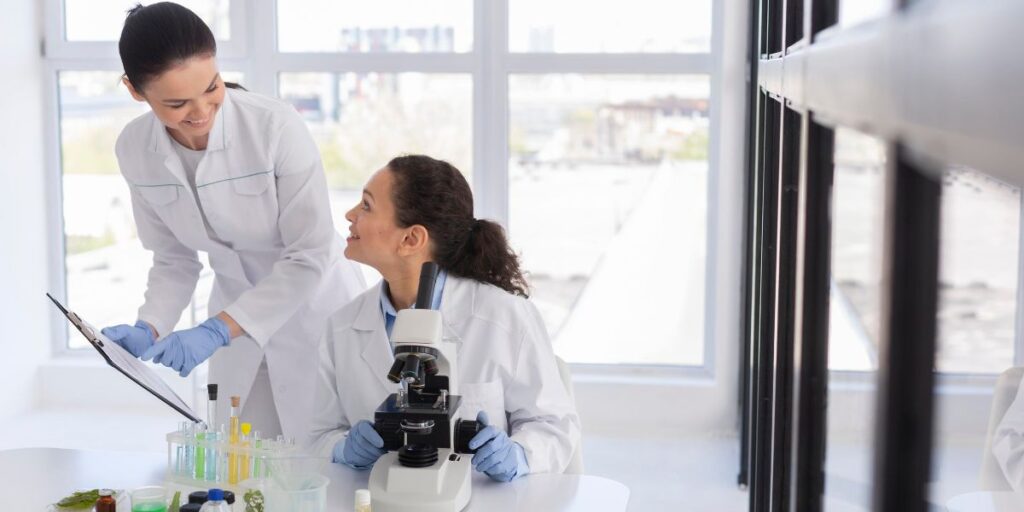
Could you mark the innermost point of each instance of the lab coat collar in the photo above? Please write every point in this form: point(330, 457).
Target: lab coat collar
point(161, 142)
point(457, 306)
point(457, 295)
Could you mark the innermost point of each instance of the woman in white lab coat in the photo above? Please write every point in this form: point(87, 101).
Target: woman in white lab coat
point(236, 175)
point(1008, 442)
point(419, 209)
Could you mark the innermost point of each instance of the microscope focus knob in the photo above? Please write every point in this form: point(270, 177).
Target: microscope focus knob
point(465, 430)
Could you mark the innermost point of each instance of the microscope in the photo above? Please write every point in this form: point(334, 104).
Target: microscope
point(427, 467)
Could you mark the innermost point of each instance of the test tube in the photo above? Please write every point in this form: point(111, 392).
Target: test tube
point(200, 463)
point(257, 444)
point(233, 440)
point(212, 455)
point(179, 450)
point(190, 446)
point(246, 456)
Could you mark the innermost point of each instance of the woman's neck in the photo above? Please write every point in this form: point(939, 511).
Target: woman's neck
point(402, 287)
point(197, 144)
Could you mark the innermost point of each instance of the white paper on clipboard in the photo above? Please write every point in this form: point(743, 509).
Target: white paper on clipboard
point(132, 367)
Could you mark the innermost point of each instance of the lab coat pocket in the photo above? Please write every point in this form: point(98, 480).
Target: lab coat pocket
point(252, 184)
point(484, 396)
point(247, 215)
point(158, 195)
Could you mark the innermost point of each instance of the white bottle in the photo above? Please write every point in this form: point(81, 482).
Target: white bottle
point(362, 500)
point(216, 502)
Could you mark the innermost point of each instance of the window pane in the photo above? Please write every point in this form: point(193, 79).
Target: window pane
point(853, 12)
point(979, 255)
point(854, 318)
point(581, 26)
point(404, 26)
point(102, 20)
point(362, 120)
point(106, 265)
point(607, 189)
point(978, 276)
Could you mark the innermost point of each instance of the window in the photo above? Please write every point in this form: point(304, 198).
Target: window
point(629, 154)
point(979, 273)
point(644, 26)
point(855, 318)
point(512, 95)
point(101, 20)
point(103, 253)
point(399, 26)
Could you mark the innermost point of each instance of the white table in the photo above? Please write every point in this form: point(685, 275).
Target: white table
point(986, 501)
point(32, 478)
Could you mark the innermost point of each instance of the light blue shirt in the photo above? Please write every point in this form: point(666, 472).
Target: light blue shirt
point(388, 308)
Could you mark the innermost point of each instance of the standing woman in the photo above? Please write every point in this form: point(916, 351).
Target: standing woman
point(215, 168)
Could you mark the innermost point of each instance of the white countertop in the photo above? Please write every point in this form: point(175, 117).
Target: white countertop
point(32, 478)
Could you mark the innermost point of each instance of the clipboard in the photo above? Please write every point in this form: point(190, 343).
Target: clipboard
point(129, 366)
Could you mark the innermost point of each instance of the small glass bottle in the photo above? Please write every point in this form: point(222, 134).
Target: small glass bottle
point(106, 503)
point(362, 500)
point(216, 502)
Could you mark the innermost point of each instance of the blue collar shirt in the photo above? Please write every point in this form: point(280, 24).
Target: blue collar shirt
point(388, 309)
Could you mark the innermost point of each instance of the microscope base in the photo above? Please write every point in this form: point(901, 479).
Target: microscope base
point(443, 487)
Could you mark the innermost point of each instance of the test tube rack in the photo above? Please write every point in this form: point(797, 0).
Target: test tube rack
point(185, 452)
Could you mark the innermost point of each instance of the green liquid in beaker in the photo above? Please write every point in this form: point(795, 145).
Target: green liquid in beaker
point(149, 507)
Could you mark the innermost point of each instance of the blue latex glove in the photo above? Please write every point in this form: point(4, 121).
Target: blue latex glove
point(361, 449)
point(184, 350)
point(133, 339)
point(497, 455)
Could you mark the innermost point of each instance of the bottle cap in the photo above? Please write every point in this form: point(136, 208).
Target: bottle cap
point(198, 497)
point(235, 400)
point(229, 497)
point(106, 492)
point(211, 391)
point(246, 428)
point(362, 497)
point(216, 495)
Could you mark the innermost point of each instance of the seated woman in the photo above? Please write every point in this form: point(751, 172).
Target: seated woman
point(1008, 442)
point(419, 209)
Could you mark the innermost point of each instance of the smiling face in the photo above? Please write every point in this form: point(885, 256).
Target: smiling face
point(374, 237)
point(186, 99)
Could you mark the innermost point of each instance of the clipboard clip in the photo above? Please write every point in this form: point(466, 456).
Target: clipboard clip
point(86, 331)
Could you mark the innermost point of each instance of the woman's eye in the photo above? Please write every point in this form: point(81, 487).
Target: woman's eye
point(366, 206)
point(179, 105)
point(211, 89)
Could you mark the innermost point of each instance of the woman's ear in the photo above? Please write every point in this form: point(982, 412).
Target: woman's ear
point(131, 89)
point(415, 241)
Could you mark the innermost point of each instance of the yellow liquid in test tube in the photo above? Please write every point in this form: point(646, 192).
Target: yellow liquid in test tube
point(233, 441)
point(243, 464)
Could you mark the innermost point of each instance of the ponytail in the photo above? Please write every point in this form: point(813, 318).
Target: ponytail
point(434, 194)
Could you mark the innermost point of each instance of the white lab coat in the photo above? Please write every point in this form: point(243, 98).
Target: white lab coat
point(1008, 442)
point(506, 364)
point(279, 265)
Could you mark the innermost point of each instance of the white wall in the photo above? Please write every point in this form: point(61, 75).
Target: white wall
point(24, 312)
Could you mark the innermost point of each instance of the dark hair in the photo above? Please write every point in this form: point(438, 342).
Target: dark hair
point(160, 36)
point(434, 194)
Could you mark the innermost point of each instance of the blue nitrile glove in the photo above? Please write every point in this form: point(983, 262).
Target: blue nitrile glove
point(133, 339)
point(362, 447)
point(184, 350)
point(497, 455)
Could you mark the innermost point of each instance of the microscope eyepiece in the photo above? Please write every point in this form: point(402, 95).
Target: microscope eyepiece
point(395, 374)
point(411, 370)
